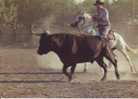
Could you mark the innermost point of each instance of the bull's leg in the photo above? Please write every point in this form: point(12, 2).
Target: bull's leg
point(104, 66)
point(66, 73)
point(110, 64)
point(72, 71)
point(116, 70)
point(111, 57)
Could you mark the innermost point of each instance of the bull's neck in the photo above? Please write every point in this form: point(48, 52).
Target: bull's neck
point(59, 52)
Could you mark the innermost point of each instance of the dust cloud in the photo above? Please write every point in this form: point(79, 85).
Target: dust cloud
point(52, 61)
point(49, 61)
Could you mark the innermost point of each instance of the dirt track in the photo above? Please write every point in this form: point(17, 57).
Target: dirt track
point(20, 76)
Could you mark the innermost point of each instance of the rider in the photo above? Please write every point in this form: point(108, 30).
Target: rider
point(102, 19)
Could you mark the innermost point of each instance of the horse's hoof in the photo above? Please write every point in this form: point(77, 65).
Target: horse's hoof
point(133, 72)
point(85, 70)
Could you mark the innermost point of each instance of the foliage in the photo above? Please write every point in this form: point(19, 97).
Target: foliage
point(19, 15)
point(8, 11)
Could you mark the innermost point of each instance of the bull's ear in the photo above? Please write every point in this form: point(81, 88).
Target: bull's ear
point(47, 32)
point(58, 41)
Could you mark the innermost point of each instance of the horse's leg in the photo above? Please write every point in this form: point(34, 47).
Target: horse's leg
point(124, 52)
point(104, 66)
point(65, 67)
point(85, 68)
point(109, 65)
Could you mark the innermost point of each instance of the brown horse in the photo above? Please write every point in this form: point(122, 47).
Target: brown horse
point(73, 49)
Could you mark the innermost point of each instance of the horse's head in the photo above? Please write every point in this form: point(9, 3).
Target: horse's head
point(87, 16)
point(84, 23)
point(79, 20)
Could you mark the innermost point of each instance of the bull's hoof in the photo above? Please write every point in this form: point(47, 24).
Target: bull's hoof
point(70, 79)
point(118, 77)
point(103, 79)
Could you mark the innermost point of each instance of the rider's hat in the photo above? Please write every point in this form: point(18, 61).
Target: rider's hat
point(99, 2)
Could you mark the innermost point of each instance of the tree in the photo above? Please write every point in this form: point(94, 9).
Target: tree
point(8, 14)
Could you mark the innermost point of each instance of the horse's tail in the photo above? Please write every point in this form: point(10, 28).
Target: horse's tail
point(132, 50)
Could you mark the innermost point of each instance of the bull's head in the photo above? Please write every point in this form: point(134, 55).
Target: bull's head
point(44, 39)
point(44, 47)
point(49, 43)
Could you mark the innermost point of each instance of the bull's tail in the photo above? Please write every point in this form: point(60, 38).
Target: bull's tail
point(132, 50)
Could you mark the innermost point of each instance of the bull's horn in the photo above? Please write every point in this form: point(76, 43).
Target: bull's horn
point(46, 32)
point(36, 34)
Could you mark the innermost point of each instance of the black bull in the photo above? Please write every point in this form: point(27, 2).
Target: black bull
point(73, 49)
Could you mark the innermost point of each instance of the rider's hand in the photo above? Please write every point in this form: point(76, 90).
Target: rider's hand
point(94, 18)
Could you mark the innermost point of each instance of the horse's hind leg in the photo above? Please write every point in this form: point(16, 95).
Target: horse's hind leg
point(104, 66)
point(132, 67)
point(85, 68)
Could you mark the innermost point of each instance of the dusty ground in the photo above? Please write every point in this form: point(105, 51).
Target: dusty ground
point(20, 76)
